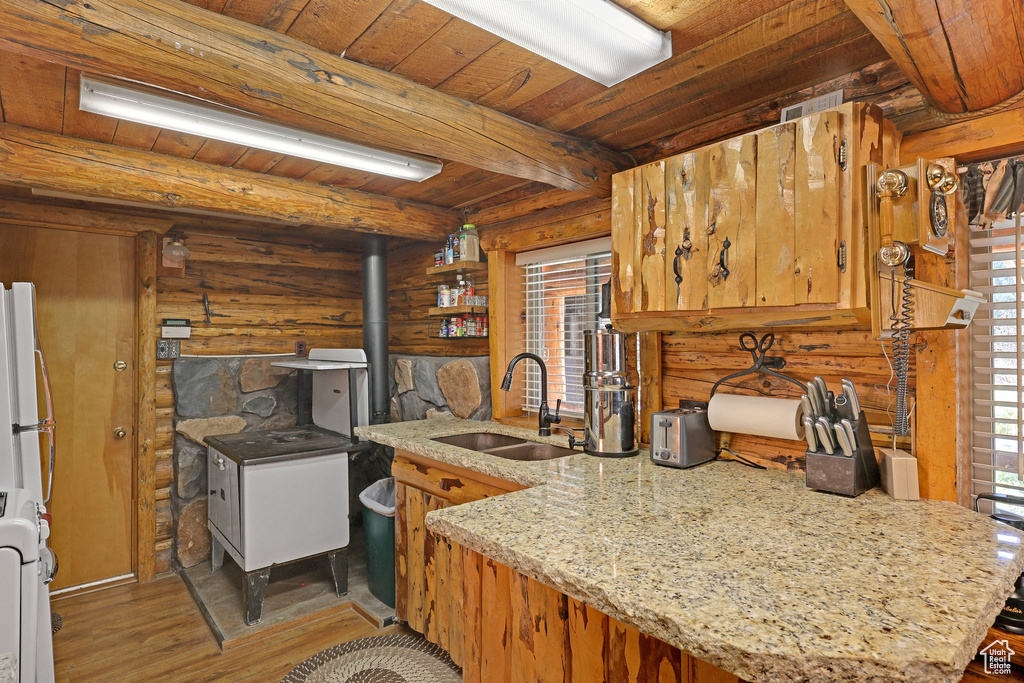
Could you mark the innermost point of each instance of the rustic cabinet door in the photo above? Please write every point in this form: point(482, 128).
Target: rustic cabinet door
point(626, 278)
point(651, 242)
point(686, 231)
point(733, 211)
point(776, 215)
point(817, 208)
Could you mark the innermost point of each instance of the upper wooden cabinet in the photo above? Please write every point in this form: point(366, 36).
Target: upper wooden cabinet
point(766, 229)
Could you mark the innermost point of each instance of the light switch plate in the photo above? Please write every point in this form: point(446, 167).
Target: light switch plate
point(168, 349)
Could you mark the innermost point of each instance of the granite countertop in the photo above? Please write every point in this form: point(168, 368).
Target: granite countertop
point(747, 569)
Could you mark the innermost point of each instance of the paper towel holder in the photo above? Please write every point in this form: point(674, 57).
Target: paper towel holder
point(763, 363)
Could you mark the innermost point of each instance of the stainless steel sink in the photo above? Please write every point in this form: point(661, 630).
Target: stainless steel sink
point(532, 451)
point(508, 447)
point(479, 441)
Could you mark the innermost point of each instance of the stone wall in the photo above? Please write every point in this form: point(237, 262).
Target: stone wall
point(430, 386)
point(218, 396)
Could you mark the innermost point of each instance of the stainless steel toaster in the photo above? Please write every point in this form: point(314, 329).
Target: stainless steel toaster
point(683, 437)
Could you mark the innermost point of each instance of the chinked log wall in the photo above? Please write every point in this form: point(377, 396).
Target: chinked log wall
point(265, 294)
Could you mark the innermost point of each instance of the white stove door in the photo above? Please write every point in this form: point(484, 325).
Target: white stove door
point(10, 602)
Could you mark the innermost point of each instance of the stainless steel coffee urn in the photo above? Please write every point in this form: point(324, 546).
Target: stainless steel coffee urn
point(609, 400)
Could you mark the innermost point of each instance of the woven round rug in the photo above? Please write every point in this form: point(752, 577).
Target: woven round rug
point(382, 659)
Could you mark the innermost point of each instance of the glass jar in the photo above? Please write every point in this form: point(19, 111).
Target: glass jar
point(469, 243)
point(443, 296)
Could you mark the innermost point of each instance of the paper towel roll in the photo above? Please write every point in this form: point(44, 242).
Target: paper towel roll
point(775, 417)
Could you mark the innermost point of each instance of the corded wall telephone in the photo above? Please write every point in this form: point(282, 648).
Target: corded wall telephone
point(913, 209)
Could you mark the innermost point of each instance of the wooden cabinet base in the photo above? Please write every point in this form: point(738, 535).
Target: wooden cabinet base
point(517, 629)
point(428, 567)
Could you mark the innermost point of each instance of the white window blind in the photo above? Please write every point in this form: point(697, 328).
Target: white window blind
point(996, 351)
point(563, 298)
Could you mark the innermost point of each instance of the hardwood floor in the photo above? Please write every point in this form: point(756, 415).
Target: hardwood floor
point(154, 633)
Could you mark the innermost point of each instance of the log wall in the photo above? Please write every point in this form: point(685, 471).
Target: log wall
point(411, 291)
point(692, 363)
point(265, 294)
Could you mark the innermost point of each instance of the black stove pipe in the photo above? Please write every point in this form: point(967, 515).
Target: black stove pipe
point(375, 323)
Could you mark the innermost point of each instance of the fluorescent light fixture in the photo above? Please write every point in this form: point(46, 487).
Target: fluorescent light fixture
point(596, 38)
point(108, 99)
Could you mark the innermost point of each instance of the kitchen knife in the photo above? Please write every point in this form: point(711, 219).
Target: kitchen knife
point(830, 406)
point(843, 407)
point(809, 433)
point(824, 436)
point(812, 394)
point(850, 433)
point(822, 387)
point(827, 426)
point(844, 442)
point(805, 400)
point(851, 394)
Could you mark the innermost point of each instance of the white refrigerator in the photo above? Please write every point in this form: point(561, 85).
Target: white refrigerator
point(27, 565)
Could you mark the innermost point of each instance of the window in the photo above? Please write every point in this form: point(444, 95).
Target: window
point(563, 298)
point(996, 347)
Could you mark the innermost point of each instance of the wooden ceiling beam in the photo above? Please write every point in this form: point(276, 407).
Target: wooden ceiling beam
point(20, 212)
point(963, 55)
point(31, 158)
point(986, 137)
point(175, 45)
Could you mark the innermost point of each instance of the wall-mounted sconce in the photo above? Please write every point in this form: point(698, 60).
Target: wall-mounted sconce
point(175, 252)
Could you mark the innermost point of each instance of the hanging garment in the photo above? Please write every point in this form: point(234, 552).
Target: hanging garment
point(974, 193)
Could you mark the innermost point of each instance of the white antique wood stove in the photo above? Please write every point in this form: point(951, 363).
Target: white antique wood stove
point(280, 496)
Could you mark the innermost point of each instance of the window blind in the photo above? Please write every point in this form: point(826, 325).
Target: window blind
point(563, 298)
point(997, 412)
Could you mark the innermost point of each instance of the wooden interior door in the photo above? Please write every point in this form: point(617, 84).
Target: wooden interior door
point(85, 303)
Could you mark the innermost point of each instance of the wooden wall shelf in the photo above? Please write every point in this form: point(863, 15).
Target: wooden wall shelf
point(448, 311)
point(457, 267)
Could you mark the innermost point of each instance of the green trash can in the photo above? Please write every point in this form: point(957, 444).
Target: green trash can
point(378, 501)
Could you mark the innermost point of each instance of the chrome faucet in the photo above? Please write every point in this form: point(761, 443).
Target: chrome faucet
point(544, 416)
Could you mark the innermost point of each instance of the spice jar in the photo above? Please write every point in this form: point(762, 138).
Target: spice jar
point(443, 296)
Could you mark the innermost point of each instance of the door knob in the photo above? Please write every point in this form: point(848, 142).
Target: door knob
point(119, 432)
point(120, 366)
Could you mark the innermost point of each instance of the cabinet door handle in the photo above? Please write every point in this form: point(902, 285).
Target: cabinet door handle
point(675, 265)
point(723, 259)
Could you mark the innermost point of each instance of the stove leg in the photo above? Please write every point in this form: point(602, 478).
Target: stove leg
point(216, 554)
point(339, 570)
point(254, 589)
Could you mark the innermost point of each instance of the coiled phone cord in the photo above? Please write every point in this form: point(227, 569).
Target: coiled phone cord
point(901, 347)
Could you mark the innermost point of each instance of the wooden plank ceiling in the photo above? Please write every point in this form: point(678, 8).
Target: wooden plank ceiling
point(729, 56)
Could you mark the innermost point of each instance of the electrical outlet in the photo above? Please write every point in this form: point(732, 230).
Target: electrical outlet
point(168, 349)
point(300, 349)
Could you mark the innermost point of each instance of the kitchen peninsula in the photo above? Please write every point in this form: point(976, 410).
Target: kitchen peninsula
point(745, 569)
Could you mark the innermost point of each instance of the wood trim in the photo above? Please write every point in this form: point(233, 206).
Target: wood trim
point(583, 220)
point(271, 74)
point(977, 139)
point(32, 158)
point(650, 381)
point(145, 364)
point(505, 289)
point(37, 214)
point(434, 476)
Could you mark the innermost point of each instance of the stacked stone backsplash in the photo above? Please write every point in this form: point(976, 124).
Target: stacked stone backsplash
point(218, 396)
point(429, 386)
